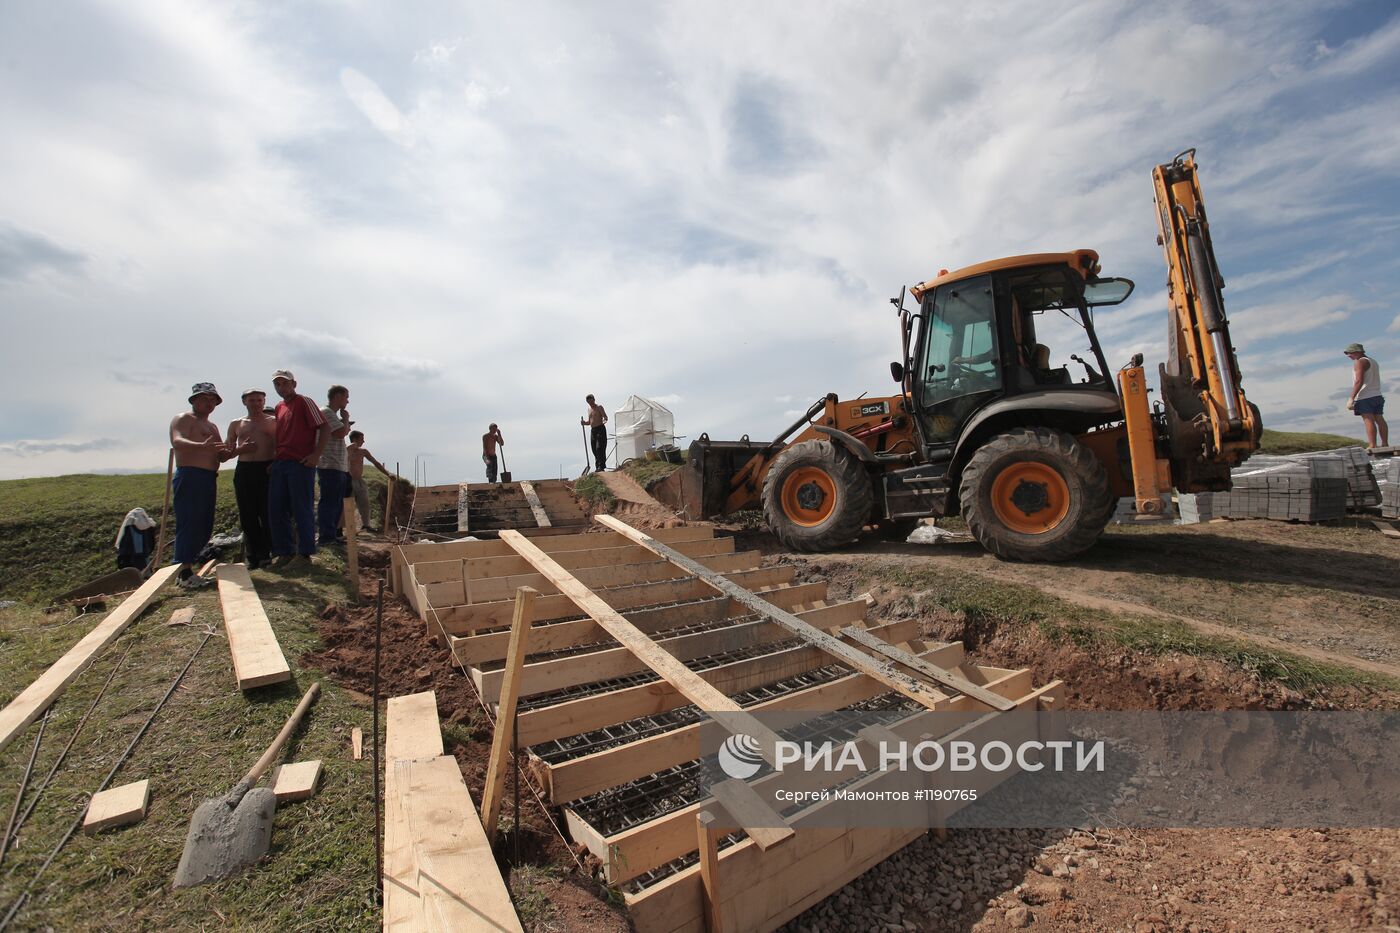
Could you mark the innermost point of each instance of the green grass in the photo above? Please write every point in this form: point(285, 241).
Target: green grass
point(1296, 442)
point(57, 532)
point(592, 490)
point(989, 603)
point(320, 870)
point(647, 473)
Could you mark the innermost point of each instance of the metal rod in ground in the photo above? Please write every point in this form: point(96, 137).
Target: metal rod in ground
point(374, 699)
point(48, 778)
point(24, 784)
point(73, 827)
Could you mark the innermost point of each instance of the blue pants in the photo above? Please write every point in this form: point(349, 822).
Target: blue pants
point(335, 486)
point(291, 493)
point(193, 491)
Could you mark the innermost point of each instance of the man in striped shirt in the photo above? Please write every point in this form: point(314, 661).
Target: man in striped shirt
point(302, 435)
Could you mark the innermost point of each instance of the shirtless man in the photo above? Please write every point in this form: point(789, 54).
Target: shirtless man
point(489, 440)
point(198, 452)
point(598, 432)
point(254, 442)
point(356, 454)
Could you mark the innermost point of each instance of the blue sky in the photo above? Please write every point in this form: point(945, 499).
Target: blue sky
point(481, 212)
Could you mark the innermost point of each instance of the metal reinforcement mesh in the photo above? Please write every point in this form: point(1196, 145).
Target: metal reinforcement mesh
point(694, 628)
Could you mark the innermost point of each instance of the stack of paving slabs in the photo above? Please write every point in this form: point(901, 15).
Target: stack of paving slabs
point(1285, 489)
point(1362, 489)
point(1388, 480)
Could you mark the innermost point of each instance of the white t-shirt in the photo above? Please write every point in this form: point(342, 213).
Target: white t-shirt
point(333, 457)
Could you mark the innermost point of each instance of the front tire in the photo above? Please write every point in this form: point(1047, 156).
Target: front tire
point(1034, 494)
point(816, 497)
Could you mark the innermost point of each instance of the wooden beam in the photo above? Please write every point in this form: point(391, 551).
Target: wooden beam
point(932, 671)
point(257, 658)
point(589, 774)
point(480, 568)
point(460, 886)
point(34, 699)
point(478, 648)
point(117, 806)
point(462, 510)
point(458, 620)
point(722, 709)
point(357, 743)
point(709, 835)
point(541, 519)
point(881, 670)
point(501, 741)
point(752, 813)
point(352, 549)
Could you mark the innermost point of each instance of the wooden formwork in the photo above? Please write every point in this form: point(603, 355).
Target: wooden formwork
point(483, 510)
point(636, 639)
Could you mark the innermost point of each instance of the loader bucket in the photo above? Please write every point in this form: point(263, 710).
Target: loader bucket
point(704, 487)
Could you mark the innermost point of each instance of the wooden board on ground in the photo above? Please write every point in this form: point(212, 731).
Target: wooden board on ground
point(460, 887)
point(296, 781)
point(34, 699)
point(357, 743)
point(257, 658)
point(184, 616)
point(412, 732)
point(117, 806)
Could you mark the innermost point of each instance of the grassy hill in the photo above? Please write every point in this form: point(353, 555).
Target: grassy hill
point(57, 532)
point(1298, 442)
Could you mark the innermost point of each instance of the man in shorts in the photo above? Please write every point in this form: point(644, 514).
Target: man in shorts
point(1367, 401)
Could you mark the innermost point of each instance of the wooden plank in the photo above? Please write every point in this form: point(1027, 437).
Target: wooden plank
point(357, 743)
point(480, 568)
point(411, 732)
point(635, 851)
point(478, 648)
point(117, 806)
point(457, 550)
point(881, 670)
point(502, 739)
point(296, 781)
point(746, 809)
point(459, 884)
point(210, 565)
point(458, 620)
point(723, 710)
point(257, 658)
point(460, 591)
point(932, 671)
point(541, 519)
point(709, 833)
point(34, 699)
point(1387, 528)
point(463, 512)
point(815, 863)
point(352, 549)
point(608, 663)
point(588, 774)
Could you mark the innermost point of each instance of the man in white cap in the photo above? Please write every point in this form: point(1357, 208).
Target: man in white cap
point(302, 434)
point(198, 452)
point(254, 442)
point(1367, 401)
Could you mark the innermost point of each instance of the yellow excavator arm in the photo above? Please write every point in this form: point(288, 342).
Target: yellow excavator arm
point(1209, 424)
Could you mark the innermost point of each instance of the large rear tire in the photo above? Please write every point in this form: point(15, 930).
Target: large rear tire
point(816, 497)
point(1034, 494)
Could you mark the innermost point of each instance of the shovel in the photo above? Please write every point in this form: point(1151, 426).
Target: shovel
point(587, 455)
point(505, 474)
point(231, 832)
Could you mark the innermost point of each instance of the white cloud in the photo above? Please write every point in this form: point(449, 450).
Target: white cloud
point(378, 109)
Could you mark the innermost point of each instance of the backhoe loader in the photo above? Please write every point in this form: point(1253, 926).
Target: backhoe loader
point(990, 425)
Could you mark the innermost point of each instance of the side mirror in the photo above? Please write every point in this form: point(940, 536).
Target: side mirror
point(897, 371)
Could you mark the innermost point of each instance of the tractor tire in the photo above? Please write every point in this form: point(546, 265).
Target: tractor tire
point(1034, 494)
point(816, 497)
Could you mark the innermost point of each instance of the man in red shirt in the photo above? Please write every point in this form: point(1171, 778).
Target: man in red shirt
point(302, 434)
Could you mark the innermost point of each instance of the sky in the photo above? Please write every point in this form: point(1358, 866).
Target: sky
point(478, 212)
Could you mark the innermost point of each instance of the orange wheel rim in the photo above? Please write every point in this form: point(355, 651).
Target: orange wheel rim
point(1030, 498)
point(808, 496)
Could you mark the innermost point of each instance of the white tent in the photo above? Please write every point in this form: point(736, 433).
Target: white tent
point(640, 425)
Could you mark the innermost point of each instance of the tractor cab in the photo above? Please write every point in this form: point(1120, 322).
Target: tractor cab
point(1013, 333)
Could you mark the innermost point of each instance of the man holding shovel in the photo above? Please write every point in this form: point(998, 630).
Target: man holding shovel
point(489, 440)
point(597, 423)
